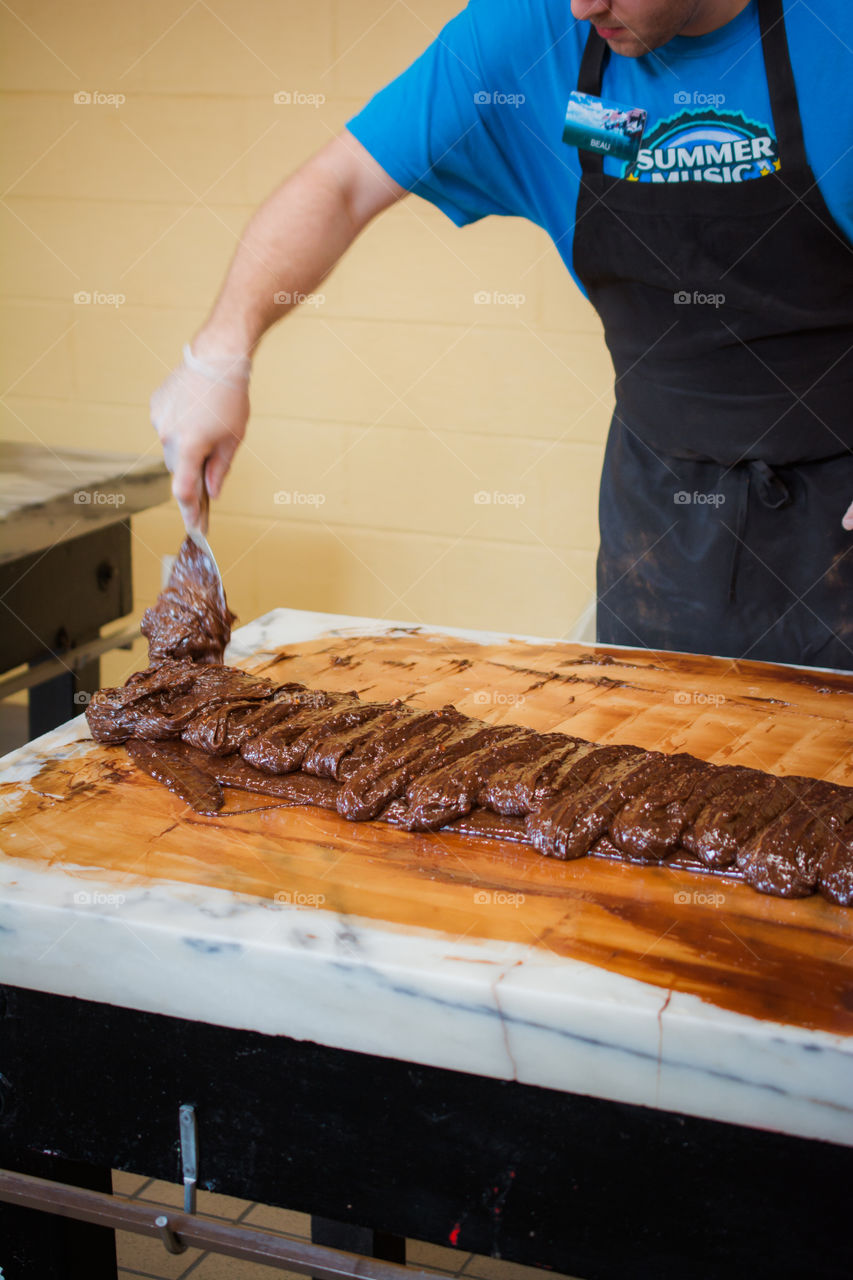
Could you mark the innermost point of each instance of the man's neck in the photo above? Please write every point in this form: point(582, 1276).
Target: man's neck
point(711, 15)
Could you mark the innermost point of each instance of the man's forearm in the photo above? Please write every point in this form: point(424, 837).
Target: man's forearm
point(292, 243)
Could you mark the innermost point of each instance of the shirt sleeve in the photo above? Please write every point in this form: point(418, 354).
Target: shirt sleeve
point(435, 129)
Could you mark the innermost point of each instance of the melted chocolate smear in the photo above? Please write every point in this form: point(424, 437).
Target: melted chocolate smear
point(174, 767)
point(198, 779)
point(198, 727)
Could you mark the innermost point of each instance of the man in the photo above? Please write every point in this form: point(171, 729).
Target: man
point(719, 260)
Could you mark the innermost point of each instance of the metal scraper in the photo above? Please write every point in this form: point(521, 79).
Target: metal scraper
point(198, 536)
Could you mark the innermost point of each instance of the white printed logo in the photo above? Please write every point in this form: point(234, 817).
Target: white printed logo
point(705, 145)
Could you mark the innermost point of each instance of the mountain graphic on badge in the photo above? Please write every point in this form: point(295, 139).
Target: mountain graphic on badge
point(706, 146)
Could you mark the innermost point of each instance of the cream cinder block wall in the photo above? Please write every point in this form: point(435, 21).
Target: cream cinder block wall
point(397, 399)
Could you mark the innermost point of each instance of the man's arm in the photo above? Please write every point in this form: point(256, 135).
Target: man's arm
point(288, 248)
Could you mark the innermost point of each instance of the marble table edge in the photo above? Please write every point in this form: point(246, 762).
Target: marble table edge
point(491, 1008)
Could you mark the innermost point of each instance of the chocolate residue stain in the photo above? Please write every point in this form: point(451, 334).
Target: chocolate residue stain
point(823, 682)
point(63, 780)
point(767, 958)
point(595, 659)
point(605, 682)
point(272, 661)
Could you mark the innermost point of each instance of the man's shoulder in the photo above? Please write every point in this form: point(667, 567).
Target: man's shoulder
point(826, 21)
point(820, 38)
point(521, 16)
point(822, 12)
point(525, 33)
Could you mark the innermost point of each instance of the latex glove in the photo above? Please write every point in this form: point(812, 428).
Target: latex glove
point(848, 517)
point(200, 414)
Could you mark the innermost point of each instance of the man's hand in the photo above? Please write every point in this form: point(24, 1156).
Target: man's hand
point(200, 414)
point(848, 518)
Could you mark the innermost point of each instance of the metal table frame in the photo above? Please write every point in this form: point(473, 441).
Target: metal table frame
point(53, 604)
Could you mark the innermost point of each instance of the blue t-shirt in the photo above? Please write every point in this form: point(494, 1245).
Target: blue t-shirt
point(475, 124)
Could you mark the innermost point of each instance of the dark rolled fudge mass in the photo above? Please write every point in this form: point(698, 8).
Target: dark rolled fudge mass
point(190, 618)
point(198, 729)
point(201, 728)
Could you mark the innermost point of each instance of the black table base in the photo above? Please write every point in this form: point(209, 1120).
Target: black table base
point(595, 1189)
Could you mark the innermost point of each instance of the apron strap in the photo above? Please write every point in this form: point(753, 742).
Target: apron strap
point(590, 76)
point(592, 64)
point(782, 88)
point(770, 490)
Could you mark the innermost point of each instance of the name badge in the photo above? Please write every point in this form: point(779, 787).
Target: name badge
point(606, 127)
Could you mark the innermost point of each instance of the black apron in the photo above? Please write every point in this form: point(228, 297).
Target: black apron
point(729, 463)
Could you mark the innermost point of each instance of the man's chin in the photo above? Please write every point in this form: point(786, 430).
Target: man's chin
point(628, 48)
point(628, 45)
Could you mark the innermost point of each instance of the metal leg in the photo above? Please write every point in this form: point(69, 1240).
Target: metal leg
point(363, 1240)
point(39, 1246)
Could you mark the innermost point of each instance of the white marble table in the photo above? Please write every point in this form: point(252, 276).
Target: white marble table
point(496, 1009)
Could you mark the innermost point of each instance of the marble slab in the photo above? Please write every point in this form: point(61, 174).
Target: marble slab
point(494, 1008)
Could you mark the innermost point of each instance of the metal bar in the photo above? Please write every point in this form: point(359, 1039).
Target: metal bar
point(189, 1154)
point(195, 1230)
point(167, 1235)
point(76, 657)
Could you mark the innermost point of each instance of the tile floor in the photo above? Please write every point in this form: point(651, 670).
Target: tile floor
point(145, 1259)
